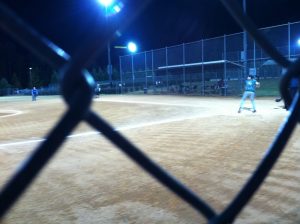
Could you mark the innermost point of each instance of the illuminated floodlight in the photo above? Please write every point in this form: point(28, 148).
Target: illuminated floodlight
point(298, 42)
point(112, 7)
point(106, 3)
point(132, 47)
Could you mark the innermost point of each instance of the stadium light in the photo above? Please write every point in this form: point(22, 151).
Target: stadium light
point(106, 3)
point(30, 76)
point(131, 46)
point(112, 7)
point(298, 42)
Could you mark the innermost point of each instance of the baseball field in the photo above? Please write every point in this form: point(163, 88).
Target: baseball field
point(202, 141)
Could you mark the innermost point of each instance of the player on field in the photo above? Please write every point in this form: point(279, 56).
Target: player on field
point(97, 90)
point(34, 93)
point(250, 87)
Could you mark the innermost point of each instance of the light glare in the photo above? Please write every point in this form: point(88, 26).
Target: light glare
point(117, 8)
point(132, 47)
point(106, 3)
point(298, 42)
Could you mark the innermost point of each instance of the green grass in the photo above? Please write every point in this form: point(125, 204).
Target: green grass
point(268, 87)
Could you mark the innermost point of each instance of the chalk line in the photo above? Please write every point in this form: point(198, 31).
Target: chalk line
point(124, 128)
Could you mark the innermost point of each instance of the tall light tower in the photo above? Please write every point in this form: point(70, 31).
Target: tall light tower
point(30, 76)
point(110, 8)
point(132, 48)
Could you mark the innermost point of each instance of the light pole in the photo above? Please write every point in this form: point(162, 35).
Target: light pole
point(110, 8)
point(109, 65)
point(132, 48)
point(30, 78)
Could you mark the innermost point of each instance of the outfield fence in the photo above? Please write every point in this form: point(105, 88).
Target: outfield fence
point(195, 68)
point(77, 90)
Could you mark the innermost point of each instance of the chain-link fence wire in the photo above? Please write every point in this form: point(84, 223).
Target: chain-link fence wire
point(79, 100)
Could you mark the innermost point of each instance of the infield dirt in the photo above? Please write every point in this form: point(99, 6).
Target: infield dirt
point(204, 142)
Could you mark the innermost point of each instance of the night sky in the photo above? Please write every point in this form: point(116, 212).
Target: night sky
point(161, 23)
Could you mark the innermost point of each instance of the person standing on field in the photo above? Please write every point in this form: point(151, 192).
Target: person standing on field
point(34, 93)
point(97, 90)
point(250, 88)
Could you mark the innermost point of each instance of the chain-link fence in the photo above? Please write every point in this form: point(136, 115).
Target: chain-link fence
point(197, 67)
point(77, 88)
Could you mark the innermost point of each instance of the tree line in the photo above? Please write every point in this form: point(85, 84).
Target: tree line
point(20, 69)
point(39, 77)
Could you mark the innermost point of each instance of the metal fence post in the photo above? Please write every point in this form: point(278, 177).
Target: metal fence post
point(167, 72)
point(254, 56)
point(132, 72)
point(202, 68)
point(245, 43)
point(183, 62)
point(289, 39)
point(146, 85)
point(152, 68)
point(120, 85)
point(225, 68)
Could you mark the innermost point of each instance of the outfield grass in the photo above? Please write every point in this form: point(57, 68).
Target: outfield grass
point(268, 87)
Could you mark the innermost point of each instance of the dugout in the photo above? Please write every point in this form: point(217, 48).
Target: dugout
point(202, 77)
